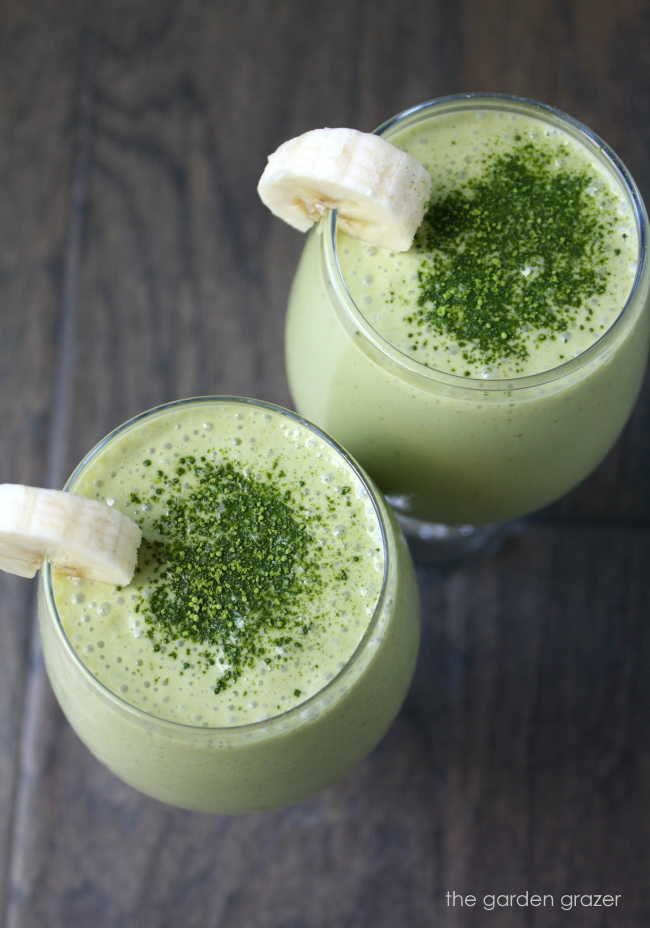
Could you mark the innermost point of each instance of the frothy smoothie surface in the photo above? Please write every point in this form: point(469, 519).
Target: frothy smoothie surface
point(260, 569)
point(526, 256)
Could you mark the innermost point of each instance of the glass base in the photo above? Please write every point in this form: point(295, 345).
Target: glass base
point(447, 548)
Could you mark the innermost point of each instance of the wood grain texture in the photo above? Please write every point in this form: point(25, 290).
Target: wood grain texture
point(41, 53)
point(137, 265)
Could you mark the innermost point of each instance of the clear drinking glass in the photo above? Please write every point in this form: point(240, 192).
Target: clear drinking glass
point(246, 767)
point(460, 458)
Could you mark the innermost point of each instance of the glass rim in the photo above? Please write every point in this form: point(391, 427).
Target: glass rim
point(416, 369)
point(298, 711)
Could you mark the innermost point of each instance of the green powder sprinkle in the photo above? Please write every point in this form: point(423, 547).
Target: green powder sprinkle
point(520, 248)
point(229, 565)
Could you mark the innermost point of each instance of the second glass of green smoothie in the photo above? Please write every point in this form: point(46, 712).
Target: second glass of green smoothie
point(270, 633)
point(485, 372)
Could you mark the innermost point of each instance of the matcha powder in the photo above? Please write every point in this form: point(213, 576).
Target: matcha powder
point(227, 569)
point(522, 247)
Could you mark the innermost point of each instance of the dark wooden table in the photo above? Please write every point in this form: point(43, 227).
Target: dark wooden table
point(138, 266)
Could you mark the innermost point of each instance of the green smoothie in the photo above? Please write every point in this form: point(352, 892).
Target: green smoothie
point(486, 371)
point(240, 669)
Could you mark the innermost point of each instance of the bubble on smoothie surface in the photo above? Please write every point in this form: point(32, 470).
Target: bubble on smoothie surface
point(257, 573)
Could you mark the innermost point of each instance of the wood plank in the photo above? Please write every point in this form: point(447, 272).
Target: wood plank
point(535, 709)
point(40, 51)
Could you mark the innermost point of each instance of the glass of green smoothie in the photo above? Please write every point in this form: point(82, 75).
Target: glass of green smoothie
point(270, 632)
point(486, 371)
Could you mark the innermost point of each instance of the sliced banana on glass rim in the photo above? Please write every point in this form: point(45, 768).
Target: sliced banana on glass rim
point(379, 191)
point(82, 537)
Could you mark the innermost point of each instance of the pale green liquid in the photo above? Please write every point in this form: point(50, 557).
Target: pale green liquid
point(108, 632)
point(454, 149)
point(449, 448)
point(288, 726)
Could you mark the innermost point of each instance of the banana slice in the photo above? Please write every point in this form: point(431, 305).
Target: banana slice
point(380, 191)
point(82, 537)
